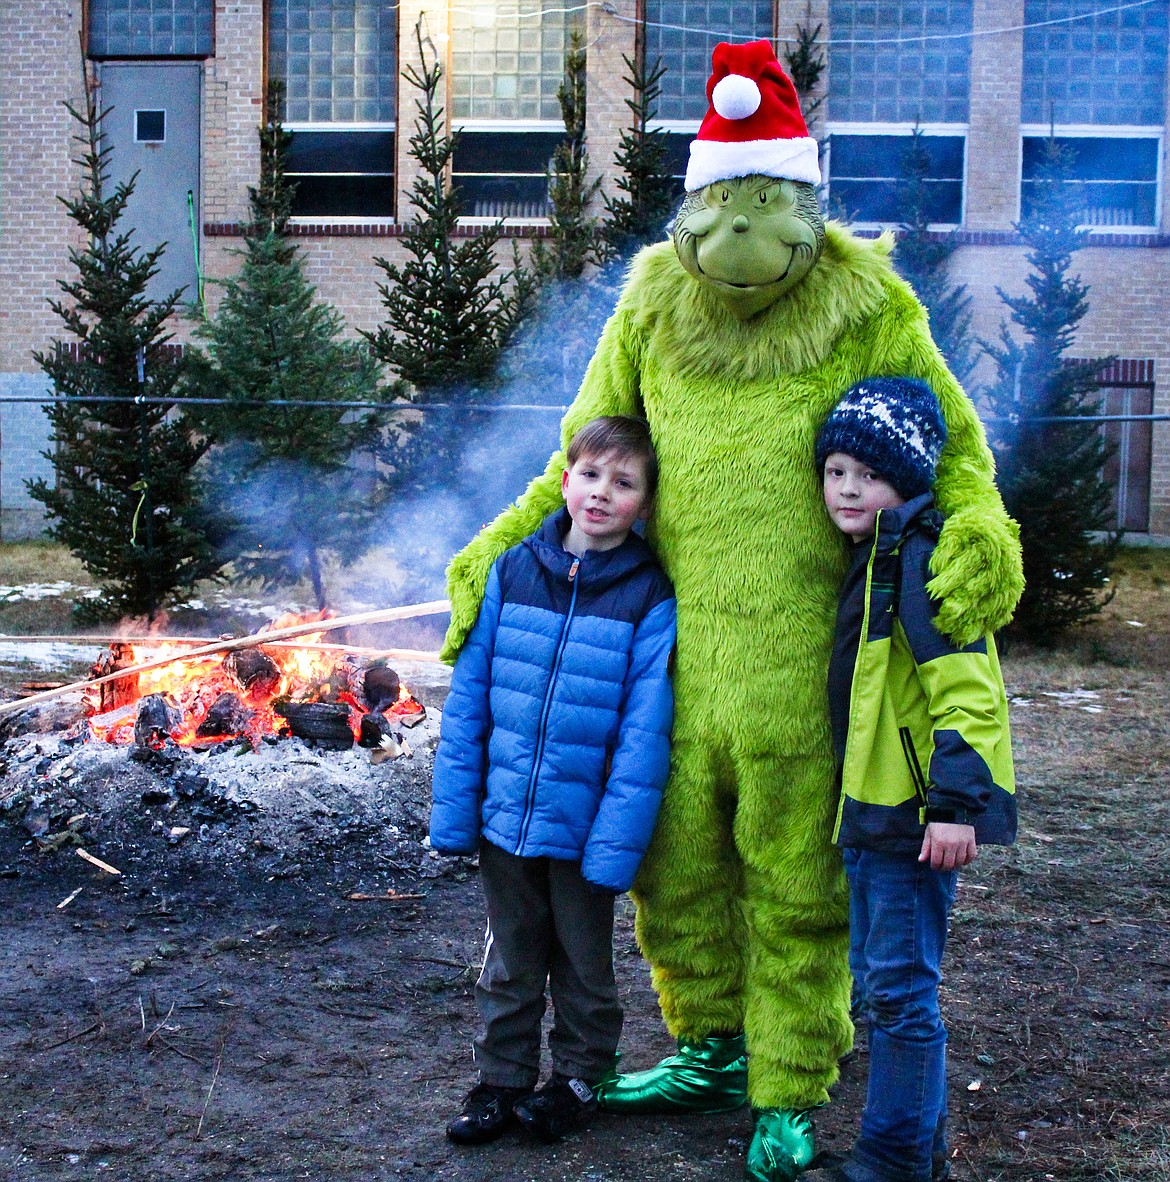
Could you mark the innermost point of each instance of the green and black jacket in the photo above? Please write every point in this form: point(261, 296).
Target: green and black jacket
point(920, 726)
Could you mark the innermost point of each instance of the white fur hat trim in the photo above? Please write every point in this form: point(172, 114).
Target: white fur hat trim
point(720, 160)
point(736, 97)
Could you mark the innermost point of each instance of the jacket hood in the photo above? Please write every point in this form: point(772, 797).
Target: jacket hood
point(598, 568)
point(894, 524)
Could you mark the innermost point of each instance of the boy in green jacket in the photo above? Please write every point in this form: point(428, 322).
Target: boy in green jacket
point(920, 729)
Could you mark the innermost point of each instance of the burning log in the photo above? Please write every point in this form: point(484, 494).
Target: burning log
point(324, 723)
point(256, 672)
point(380, 687)
point(228, 716)
point(158, 717)
point(118, 691)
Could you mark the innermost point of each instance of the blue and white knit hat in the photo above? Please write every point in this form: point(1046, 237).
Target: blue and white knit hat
point(892, 424)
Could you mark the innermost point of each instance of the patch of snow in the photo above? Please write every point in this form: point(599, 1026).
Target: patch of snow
point(1080, 699)
point(45, 654)
point(56, 590)
point(1135, 623)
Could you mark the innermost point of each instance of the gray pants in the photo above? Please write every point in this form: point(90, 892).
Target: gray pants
point(545, 923)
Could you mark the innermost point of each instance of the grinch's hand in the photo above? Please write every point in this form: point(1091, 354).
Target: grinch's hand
point(978, 573)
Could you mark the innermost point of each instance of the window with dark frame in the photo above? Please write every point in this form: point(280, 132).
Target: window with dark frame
point(1114, 179)
point(865, 170)
point(504, 174)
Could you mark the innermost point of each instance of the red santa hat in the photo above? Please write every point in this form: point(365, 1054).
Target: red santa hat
point(754, 124)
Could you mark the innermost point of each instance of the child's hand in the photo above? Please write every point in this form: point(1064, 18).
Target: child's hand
point(947, 846)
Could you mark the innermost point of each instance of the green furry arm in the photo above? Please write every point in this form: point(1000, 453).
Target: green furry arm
point(977, 565)
point(610, 387)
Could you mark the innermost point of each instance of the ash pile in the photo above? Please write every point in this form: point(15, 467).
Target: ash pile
point(315, 791)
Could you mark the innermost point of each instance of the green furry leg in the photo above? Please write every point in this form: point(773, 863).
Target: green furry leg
point(690, 920)
point(743, 915)
point(796, 902)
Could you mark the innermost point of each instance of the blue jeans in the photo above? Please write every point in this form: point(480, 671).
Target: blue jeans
point(898, 911)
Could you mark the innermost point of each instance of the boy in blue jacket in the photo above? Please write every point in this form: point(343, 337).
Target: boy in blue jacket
point(554, 750)
point(921, 732)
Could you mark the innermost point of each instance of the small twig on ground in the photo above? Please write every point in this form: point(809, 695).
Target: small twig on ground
point(73, 1037)
point(389, 897)
point(218, 1064)
point(454, 964)
point(155, 1031)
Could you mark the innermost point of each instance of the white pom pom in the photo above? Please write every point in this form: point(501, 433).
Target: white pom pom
point(735, 97)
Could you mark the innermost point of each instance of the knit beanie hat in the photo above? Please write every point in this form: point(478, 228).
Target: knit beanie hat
point(894, 425)
point(753, 125)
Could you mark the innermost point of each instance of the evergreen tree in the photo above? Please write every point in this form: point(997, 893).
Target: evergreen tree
point(806, 64)
point(283, 477)
point(124, 501)
point(640, 217)
point(922, 259)
point(448, 312)
point(575, 239)
point(1051, 472)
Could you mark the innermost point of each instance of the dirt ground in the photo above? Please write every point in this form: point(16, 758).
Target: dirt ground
point(225, 1009)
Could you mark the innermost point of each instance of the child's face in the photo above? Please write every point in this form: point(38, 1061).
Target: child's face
point(854, 493)
point(605, 494)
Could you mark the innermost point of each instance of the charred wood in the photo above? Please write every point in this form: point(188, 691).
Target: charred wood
point(227, 716)
point(256, 672)
point(324, 723)
point(380, 687)
point(158, 718)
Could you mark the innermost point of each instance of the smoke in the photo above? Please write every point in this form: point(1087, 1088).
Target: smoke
point(492, 456)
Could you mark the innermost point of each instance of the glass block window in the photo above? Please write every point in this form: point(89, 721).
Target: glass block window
point(507, 64)
point(864, 172)
point(899, 61)
point(684, 32)
point(342, 172)
point(1108, 68)
point(338, 59)
point(1116, 180)
point(151, 28)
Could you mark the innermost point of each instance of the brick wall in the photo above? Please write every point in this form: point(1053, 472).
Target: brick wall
point(993, 148)
point(40, 66)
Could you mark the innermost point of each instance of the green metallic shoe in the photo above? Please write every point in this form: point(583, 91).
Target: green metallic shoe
point(707, 1075)
point(781, 1146)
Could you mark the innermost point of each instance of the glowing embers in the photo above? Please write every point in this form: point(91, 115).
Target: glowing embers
point(314, 691)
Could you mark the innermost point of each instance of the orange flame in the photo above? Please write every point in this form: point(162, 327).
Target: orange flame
point(194, 685)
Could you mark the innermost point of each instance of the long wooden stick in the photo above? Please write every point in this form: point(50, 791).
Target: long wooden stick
point(394, 654)
point(380, 616)
point(401, 654)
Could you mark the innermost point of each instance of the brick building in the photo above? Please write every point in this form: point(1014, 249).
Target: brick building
point(984, 79)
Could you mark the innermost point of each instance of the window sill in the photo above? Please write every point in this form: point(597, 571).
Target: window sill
point(380, 228)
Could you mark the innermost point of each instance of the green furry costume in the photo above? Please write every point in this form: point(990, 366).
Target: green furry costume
point(742, 905)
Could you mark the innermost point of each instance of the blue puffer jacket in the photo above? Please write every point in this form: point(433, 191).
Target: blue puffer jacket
point(556, 733)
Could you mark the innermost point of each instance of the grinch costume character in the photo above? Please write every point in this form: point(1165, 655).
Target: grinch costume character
point(735, 342)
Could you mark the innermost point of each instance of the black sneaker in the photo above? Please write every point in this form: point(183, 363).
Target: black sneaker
point(556, 1109)
point(486, 1114)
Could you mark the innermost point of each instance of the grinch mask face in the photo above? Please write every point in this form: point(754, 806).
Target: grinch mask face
point(750, 239)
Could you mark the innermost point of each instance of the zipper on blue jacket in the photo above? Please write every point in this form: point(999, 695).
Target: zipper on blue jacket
point(530, 796)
